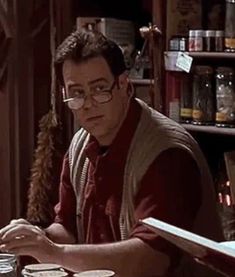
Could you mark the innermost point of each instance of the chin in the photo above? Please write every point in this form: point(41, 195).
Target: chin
point(96, 132)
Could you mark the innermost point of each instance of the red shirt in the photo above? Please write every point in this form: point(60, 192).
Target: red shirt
point(169, 191)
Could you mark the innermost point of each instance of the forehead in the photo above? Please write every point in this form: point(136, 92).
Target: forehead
point(86, 71)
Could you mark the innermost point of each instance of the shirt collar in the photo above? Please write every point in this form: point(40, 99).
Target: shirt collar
point(123, 138)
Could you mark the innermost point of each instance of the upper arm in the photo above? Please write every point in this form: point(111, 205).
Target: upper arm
point(66, 208)
point(170, 191)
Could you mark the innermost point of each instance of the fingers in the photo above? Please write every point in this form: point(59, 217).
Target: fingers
point(12, 224)
point(20, 221)
point(21, 230)
point(35, 245)
point(21, 246)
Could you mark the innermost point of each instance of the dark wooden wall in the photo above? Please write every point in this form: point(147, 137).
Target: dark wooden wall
point(25, 96)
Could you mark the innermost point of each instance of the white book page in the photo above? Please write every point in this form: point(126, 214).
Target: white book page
point(195, 245)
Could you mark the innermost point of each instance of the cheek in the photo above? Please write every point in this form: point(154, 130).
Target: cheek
point(116, 112)
point(77, 117)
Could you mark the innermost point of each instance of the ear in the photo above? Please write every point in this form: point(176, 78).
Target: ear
point(123, 81)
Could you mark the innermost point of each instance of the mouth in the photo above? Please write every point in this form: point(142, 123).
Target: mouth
point(94, 118)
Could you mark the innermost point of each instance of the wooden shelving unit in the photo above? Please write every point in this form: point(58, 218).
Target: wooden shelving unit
point(210, 129)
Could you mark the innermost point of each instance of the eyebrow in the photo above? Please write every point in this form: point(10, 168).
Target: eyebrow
point(90, 82)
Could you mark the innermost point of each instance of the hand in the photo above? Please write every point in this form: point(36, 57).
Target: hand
point(22, 238)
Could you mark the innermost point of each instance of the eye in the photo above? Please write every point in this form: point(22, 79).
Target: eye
point(77, 92)
point(99, 88)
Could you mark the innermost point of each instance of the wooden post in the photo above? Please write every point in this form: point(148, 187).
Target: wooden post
point(158, 13)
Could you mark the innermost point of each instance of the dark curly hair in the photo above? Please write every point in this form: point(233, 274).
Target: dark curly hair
point(84, 44)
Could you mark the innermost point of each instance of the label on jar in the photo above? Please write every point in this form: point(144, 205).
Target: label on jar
point(174, 110)
point(191, 44)
point(221, 117)
point(184, 112)
point(230, 43)
point(197, 114)
point(198, 45)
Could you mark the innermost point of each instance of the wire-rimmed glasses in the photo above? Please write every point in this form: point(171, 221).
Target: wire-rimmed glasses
point(98, 93)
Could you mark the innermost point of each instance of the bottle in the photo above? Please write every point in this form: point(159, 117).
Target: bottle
point(230, 26)
point(203, 96)
point(225, 97)
point(8, 265)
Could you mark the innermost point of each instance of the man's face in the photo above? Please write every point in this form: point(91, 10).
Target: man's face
point(100, 120)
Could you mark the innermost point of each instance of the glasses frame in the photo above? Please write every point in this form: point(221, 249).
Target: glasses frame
point(108, 90)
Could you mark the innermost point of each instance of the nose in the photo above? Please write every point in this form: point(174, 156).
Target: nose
point(88, 102)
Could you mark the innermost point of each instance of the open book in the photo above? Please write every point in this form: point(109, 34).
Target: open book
point(216, 255)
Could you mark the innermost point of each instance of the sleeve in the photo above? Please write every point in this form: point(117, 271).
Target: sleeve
point(65, 209)
point(170, 191)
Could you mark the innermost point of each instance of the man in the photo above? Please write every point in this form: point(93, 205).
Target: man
point(127, 162)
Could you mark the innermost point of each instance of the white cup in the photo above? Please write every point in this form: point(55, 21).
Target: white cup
point(95, 273)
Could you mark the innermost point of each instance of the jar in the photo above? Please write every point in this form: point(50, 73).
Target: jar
point(95, 273)
point(203, 97)
point(174, 43)
point(183, 44)
point(225, 97)
point(43, 269)
point(230, 26)
point(219, 41)
point(191, 41)
point(8, 265)
point(198, 45)
point(209, 40)
point(50, 273)
point(186, 105)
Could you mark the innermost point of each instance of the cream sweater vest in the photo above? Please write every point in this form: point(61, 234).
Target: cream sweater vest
point(154, 134)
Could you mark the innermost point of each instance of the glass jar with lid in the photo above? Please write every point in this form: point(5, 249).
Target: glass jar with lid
point(8, 265)
point(230, 26)
point(203, 96)
point(225, 97)
point(186, 105)
point(43, 269)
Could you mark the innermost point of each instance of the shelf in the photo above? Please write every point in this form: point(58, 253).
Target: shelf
point(141, 81)
point(210, 129)
point(215, 55)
